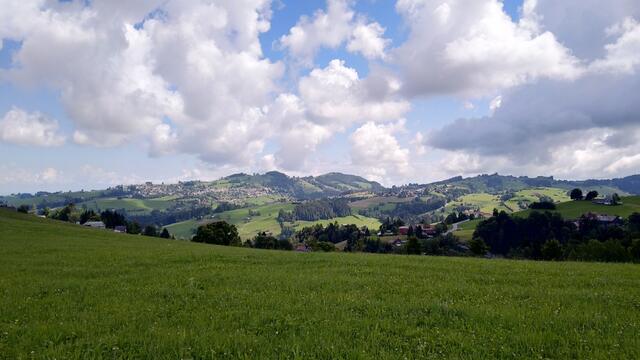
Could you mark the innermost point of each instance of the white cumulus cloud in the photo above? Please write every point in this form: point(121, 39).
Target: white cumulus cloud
point(332, 28)
point(473, 48)
point(376, 151)
point(20, 127)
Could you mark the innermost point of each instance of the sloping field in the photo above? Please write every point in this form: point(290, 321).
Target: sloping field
point(72, 293)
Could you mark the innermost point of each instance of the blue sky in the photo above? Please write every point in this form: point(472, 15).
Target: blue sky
point(105, 142)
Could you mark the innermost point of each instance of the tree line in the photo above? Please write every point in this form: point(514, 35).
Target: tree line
point(548, 236)
point(112, 219)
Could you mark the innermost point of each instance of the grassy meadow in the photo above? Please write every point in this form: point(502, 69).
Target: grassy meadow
point(68, 292)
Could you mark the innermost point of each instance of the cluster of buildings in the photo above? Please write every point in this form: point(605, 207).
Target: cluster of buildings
point(196, 191)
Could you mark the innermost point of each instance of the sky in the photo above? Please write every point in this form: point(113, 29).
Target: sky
point(105, 92)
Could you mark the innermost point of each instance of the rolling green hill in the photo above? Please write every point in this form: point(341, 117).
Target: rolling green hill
point(499, 183)
point(75, 293)
point(264, 218)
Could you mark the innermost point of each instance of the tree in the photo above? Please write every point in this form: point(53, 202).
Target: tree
point(284, 244)
point(150, 230)
point(65, 214)
point(165, 234)
point(24, 209)
point(576, 194)
point(478, 246)
point(634, 250)
point(111, 219)
point(264, 241)
point(88, 215)
point(552, 250)
point(413, 246)
point(133, 228)
point(218, 233)
point(591, 195)
point(634, 223)
point(451, 218)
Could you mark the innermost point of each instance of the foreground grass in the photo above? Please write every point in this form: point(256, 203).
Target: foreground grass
point(68, 292)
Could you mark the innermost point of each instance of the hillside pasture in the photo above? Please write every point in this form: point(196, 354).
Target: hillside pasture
point(73, 293)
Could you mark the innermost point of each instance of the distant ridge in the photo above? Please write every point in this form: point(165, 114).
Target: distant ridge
point(497, 183)
point(330, 184)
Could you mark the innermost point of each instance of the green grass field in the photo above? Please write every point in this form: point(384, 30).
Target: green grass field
point(72, 293)
point(466, 230)
point(574, 209)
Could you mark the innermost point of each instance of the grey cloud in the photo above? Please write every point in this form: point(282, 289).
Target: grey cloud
point(580, 24)
point(535, 119)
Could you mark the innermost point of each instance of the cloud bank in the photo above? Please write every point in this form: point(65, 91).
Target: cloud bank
point(192, 78)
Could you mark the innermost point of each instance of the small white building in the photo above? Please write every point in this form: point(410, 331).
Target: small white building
point(95, 224)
